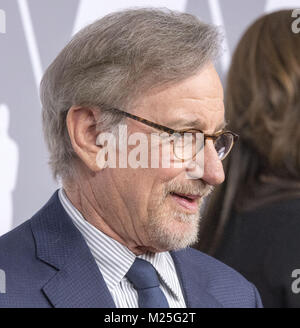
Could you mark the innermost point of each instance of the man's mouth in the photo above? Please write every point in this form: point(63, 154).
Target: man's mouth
point(188, 201)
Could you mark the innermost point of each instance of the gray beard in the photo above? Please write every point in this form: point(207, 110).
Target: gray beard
point(162, 235)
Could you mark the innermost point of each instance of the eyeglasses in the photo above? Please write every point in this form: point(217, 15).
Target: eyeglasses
point(190, 147)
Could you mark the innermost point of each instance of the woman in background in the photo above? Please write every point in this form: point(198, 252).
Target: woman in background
point(252, 221)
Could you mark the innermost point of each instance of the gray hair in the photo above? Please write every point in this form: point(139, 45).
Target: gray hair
point(112, 62)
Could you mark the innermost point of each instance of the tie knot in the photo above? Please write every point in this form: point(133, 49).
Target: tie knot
point(142, 275)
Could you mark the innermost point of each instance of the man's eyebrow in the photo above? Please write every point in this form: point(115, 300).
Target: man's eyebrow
point(222, 126)
point(183, 124)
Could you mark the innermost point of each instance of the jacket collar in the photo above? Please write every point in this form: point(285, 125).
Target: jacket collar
point(194, 283)
point(78, 281)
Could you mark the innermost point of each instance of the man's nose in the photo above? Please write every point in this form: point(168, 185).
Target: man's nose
point(213, 168)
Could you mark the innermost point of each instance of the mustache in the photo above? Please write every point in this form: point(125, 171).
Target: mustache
point(191, 189)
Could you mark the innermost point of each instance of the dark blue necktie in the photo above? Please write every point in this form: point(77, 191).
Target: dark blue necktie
point(144, 278)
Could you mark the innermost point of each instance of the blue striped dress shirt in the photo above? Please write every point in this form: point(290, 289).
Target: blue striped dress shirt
point(114, 260)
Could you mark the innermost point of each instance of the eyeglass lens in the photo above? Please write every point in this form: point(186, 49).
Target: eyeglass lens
point(188, 145)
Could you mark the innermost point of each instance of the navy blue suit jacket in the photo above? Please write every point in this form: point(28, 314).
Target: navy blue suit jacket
point(48, 264)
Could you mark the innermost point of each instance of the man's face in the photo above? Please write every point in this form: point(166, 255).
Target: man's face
point(158, 209)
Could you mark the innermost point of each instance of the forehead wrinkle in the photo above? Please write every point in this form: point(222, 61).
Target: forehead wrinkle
point(210, 98)
point(209, 103)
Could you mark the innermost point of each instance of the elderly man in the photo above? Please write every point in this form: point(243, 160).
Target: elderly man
point(118, 236)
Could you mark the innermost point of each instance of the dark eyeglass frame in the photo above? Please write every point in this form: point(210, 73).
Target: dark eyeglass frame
point(213, 137)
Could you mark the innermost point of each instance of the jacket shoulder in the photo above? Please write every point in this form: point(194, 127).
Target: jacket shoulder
point(24, 273)
point(220, 269)
point(16, 243)
point(228, 286)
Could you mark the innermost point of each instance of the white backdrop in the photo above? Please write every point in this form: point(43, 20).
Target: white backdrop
point(35, 32)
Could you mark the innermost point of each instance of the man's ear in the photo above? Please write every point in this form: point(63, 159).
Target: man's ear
point(81, 124)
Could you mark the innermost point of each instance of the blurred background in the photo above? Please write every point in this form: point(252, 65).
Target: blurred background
point(35, 31)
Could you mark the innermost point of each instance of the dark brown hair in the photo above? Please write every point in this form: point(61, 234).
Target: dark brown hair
point(263, 107)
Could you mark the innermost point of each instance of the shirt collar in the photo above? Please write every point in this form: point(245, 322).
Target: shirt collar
point(114, 259)
point(161, 261)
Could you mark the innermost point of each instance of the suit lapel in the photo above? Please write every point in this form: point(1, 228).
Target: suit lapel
point(193, 282)
point(78, 281)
